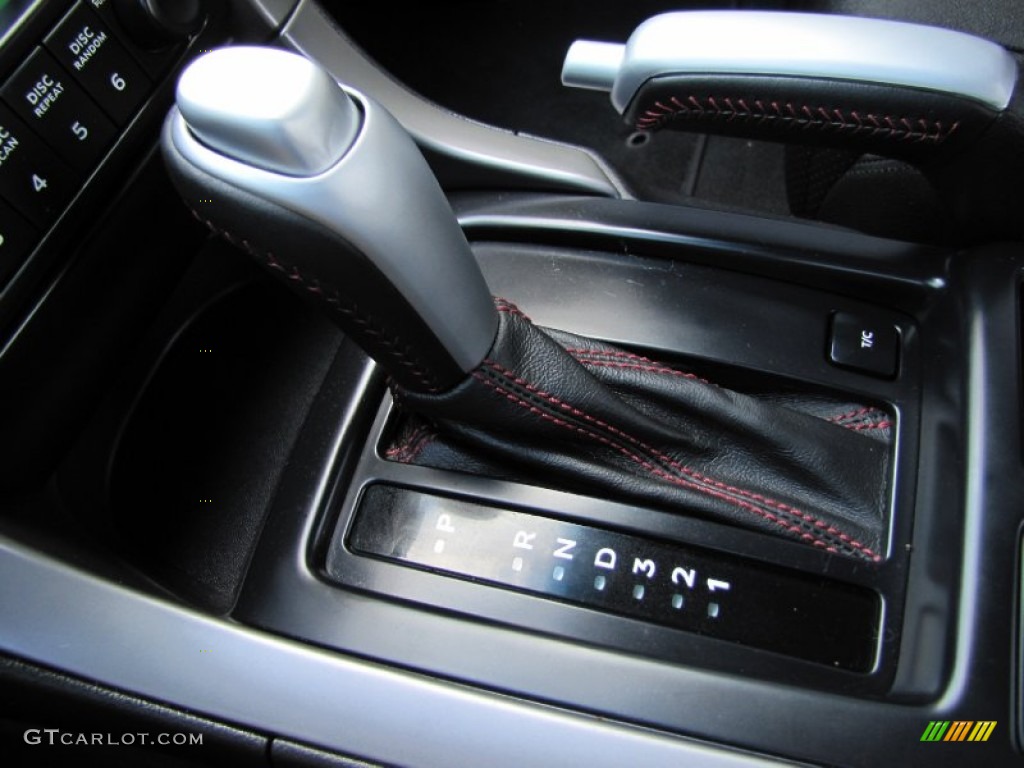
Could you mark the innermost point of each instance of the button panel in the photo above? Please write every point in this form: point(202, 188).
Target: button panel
point(61, 110)
point(686, 588)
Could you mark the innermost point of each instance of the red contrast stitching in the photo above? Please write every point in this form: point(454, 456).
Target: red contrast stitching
point(506, 306)
point(407, 451)
point(401, 352)
point(574, 351)
point(856, 420)
point(853, 414)
point(862, 427)
point(703, 480)
point(645, 368)
point(797, 116)
point(652, 469)
point(638, 367)
point(644, 364)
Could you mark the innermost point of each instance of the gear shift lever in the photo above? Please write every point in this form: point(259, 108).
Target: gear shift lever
point(339, 203)
point(349, 212)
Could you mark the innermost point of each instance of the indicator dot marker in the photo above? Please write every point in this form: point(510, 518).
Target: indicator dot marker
point(439, 546)
point(517, 564)
point(638, 591)
point(599, 583)
point(558, 574)
point(712, 610)
point(677, 601)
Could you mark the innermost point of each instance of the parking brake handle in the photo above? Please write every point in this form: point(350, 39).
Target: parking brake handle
point(850, 78)
point(939, 99)
point(327, 191)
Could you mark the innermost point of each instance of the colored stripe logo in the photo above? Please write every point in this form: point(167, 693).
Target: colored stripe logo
point(958, 730)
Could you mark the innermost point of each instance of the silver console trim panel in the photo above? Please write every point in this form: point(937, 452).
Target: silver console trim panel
point(475, 155)
point(73, 621)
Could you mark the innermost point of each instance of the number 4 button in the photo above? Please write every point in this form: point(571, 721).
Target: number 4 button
point(33, 180)
point(49, 185)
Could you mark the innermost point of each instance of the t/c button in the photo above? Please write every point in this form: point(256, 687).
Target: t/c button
point(56, 107)
point(864, 343)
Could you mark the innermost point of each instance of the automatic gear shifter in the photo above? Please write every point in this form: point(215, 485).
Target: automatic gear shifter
point(329, 193)
point(332, 194)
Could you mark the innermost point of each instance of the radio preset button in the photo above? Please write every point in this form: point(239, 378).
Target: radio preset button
point(32, 179)
point(87, 49)
point(56, 107)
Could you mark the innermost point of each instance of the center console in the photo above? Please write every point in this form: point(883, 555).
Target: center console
point(423, 529)
point(247, 487)
point(603, 606)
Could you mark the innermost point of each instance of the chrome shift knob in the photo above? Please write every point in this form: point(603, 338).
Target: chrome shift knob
point(269, 108)
point(325, 189)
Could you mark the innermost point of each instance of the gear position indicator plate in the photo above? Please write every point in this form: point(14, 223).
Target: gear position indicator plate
point(687, 588)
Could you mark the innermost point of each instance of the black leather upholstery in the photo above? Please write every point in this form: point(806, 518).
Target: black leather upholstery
point(557, 409)
point(915, 125)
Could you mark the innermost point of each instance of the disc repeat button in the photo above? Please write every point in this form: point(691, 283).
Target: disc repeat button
point(43, 95)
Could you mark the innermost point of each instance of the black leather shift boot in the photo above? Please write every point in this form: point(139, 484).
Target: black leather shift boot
point(562, 411)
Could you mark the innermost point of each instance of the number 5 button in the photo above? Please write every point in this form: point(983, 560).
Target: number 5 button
point(43, 95)
point(87, 49)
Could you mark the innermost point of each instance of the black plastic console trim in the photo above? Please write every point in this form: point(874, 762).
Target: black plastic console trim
point(884, 272)
point(706, 592)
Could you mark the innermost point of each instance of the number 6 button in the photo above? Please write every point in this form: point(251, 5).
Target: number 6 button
point(44, 96)
point(86, 48)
